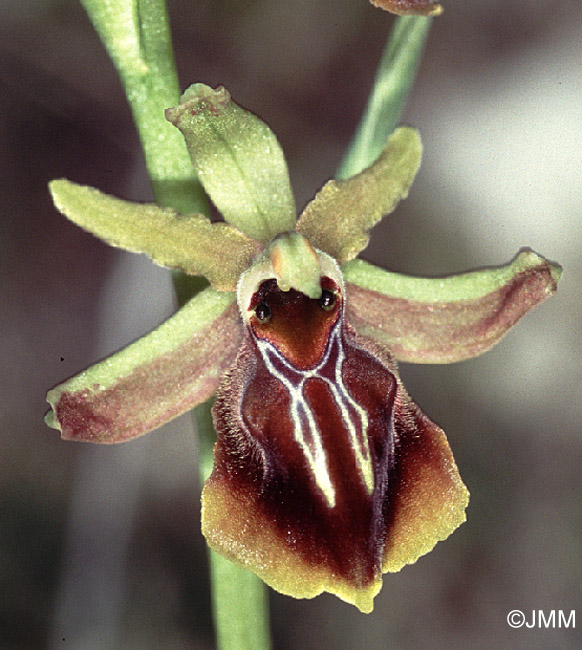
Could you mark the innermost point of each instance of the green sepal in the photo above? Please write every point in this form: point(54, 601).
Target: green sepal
point(442, 320)
point(190, 243)
point(152, 381)
point(339, 219)
point(238, 160)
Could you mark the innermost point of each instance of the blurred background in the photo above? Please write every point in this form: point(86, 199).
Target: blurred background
point(100, 547)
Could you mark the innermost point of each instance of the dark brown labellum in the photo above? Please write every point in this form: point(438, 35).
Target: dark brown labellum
point(326, 474)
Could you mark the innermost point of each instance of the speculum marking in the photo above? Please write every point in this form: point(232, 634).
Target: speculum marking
point(305, 429)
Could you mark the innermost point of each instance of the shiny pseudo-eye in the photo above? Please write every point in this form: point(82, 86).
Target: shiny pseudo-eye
point(327, 300)
point(326, 474)
point(263, 312)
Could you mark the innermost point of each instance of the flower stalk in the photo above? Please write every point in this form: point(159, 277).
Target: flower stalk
point(136, 35)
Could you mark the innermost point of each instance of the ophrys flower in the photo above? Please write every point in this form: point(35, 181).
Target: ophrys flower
point(326, 473)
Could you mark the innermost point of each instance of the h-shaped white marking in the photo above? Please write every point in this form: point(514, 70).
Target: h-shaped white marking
point(315, 453)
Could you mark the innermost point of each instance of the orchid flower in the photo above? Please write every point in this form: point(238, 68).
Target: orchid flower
point(326, 473)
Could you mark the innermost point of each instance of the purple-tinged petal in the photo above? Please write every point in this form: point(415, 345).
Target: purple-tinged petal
point(150, 382)
point(326, 474)
point(339, 219)
point(442, 320)
point(409, 7)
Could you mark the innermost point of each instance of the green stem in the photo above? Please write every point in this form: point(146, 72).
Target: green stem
point(394, 78)
point(136, 34)
point(239, 598)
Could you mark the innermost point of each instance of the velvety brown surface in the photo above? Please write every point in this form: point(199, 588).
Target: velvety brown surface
point(263, 507)
point(497, 105)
